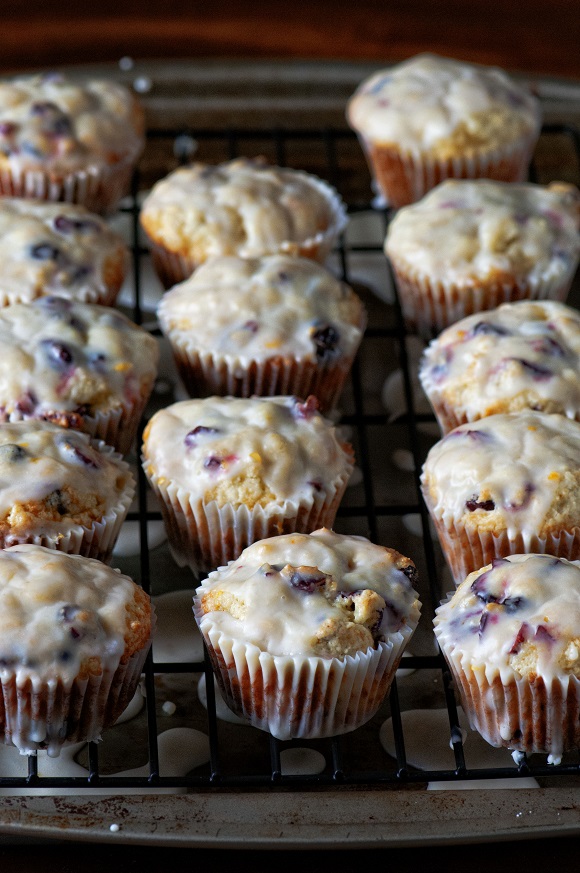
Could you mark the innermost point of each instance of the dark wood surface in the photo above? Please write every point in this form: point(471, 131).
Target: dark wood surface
point(528, 35)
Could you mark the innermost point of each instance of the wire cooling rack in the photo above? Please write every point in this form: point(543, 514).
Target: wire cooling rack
point(383, 416)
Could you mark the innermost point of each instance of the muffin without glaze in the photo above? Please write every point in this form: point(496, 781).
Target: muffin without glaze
point(61, 489)
point(243, 207)
point(511, 637)
point(518, 356)
point(65, 140)
point(50, 248)
point(469, 246)
point(432, 118)
point(503, 485)
point(265, 326)
point(81, 366)
point(305, 632)
point(74, 635)
point(230, 471)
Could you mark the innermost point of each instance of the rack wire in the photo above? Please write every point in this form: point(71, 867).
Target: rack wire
point(375, 508)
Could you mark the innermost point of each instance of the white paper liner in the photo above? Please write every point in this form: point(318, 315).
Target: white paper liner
point(98, 539)
point(528, 715)
point(405, 176)
point(302, 697)
point(99, 188)
point(172, 267)
point(206, 374)
point(430, 306)
point(116, 427)
point(467, 549)
point(47, 714)
point(205, 536)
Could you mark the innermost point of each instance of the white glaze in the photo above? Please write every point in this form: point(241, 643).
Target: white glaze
point(421, 103)
point(517, 461)
point(520, 601)
point(111, 358)
point(97, 122)
point(256, 309)
point(464, 232)
point(476, 366)
point(267, 438)
point(35, 585)
point(56, 248)
point(282, 619)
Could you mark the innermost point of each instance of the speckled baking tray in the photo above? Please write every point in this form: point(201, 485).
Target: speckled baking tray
point(245, 793)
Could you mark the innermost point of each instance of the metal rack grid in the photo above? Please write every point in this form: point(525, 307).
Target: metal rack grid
point(343, 767)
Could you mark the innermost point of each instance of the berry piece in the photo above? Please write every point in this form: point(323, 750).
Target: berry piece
point(58, 355)
point(307, 579)
point(45, 251)
point(81, 456)
point(65, 224)
point(538, 373)
point(485, 327)
point(10, 452)
point(474, 503)
point(191, 438)
point(307, 409)
point(325, 341)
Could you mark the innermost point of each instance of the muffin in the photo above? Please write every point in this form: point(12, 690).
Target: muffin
point(243, 207)
point(229, 471)
point(431, 118)
point(469, 246)
point(305, 632)
point(78, 365)
point(60, 489)
point(267, 326)
point(74, 635)
point(70, 141)
point(518, 356)
point(511, 637)
point(56, 248)
point(503, 485)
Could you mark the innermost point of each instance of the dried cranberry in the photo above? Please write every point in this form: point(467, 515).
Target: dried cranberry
point(307, 409)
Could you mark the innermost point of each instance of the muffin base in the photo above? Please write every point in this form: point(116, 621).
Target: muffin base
point(468, 550)
point(205, 536)
point(429, 307)
point(37, 715)
point(527, 715)
point(302, 697)
point(98, 188)
point(403, 177)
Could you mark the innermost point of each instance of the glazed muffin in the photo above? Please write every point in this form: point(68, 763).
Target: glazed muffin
point(229, 471)
point(243, 207)
point(305, 632)
point(80, 366)
point(511, 637)
point(518, 356)
point(470, 246)
point(56, 248)
point(266, 326)
point(503, 485)
point(60, 489)
point(432, 118)
point(70, 141)
point(74, 635)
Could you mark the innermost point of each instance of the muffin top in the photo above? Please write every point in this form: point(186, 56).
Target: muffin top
point(243, 207)
point(63, 616)
point(48, 120)
point(55, 248)
point(444, 107)
point(63, 360)
point(53, 480)
point(255, 451)
point(519, 617)
point(259, 308)
point(323, 594)
point(518, 473)
point(520, 355)
point(465, 232)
